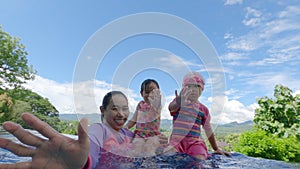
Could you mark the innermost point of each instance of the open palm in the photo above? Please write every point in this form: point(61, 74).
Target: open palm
point(57, 151)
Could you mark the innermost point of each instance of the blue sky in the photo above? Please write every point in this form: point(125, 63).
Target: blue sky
point(256, 46)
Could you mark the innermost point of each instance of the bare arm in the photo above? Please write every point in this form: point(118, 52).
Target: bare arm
point(211, 138)
point(133, 120)
point(174, 106)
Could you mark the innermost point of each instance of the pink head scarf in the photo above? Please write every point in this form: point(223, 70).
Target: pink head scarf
point(193, 78)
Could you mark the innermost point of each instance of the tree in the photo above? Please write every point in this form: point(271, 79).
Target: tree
point(29, 101)
point(281, 115)
point(6, 107)
point(38, 104)
point(14, 68)
point(276, 131)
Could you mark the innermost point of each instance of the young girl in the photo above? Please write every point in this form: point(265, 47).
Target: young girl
point(146, 118)
point(188, 116)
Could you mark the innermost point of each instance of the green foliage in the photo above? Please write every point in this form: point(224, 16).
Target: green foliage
point(38, 104)
point(281, 115)
point(277, 128)
point(6, 107)
point(232, 141)
point(14, 102)
point(14, 68)
point(62, 126)
point(262, 144)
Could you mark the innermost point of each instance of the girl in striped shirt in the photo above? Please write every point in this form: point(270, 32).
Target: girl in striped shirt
point(188, 116)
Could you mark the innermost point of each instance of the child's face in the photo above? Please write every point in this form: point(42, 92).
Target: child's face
point(195, 92)
point(147, 90)
point(116, 112)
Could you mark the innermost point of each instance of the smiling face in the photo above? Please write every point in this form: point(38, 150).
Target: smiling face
point(116, 112)
point(147, 90)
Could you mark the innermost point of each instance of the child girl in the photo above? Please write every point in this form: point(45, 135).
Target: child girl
point(188, 115)
point(146, 119)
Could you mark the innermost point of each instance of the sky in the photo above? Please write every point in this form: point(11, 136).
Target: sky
point(83, 49)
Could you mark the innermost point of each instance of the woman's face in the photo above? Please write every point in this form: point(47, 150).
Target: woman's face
point(116, 112)
point(147, 90)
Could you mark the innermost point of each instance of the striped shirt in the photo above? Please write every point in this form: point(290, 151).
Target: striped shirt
point(188, 120)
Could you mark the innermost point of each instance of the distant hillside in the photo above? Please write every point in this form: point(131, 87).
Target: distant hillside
point(165, 124)
point(222, 129)
point(93, 118)
point(233, 127)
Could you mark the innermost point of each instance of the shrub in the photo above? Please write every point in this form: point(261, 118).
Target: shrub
point(261, 144)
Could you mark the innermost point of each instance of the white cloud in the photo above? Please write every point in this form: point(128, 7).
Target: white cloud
point(233, 2)
point(224, 110)
point(175, 62)
point(235, 94)
point(233, 56)
point(267, 81)
point(253, 17)
point(276, 35)
point(244, 43)
point(228, 36)
point(61, 95)
point(290, 11)
point(296, 92)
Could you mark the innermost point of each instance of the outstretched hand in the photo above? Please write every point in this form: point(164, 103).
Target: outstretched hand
point(221, 152)
point(182, 98)
point(155, 99)
point(58, 151)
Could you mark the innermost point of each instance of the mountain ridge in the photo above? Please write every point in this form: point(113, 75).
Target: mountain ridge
point(166, 124)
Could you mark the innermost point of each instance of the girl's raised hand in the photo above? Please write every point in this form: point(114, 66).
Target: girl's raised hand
point(155, 99)
point(182, 99)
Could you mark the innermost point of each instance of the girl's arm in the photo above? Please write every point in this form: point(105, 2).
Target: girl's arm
point(173, 107)
point(179, 100)
point(211, 138)
point(133, 120)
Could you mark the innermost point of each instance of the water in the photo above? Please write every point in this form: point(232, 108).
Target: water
point(237, 161)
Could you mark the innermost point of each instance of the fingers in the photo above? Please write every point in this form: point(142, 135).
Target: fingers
point(39, 125)
point(184, 94)
point(155, 98)
point(21, 165)
point(83, 137)
point(163, 139)
point(24, 136)
point(220, 151)
point(155, 93)
point(227, 154)
point(15, 148)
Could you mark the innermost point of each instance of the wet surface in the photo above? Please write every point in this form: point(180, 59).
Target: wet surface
point(180, 161)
